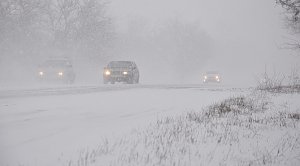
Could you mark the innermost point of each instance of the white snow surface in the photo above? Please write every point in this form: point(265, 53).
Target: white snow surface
point(42, 126)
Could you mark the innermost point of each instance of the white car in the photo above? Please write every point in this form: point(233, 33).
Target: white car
point(212, 76)
point(59, 70)
point(121, 71)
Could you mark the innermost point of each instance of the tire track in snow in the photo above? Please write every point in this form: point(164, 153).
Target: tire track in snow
point(94, 89)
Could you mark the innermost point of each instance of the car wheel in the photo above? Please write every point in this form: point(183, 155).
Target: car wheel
point(105, 81)
point(68, 82)
point(72, 81)
point(130, 81)
point(137, 81)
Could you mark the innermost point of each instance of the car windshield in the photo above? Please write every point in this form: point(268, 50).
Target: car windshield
point(56, 63)
point(212, 73)
point(121, 64)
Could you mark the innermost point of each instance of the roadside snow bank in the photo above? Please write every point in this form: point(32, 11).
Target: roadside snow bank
point(244, 130)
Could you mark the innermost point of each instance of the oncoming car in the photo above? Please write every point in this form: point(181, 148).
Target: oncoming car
point(56, 70)
point(121, 71)
point(212, 76)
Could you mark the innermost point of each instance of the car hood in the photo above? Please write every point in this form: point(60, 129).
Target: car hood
point(118, 69)
point(52, 69)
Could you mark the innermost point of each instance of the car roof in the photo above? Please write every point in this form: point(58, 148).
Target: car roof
point(121, 62)
point(212, 72)
point(56, 62)
point(66, 60)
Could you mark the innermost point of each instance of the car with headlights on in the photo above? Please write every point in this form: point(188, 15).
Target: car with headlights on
point(121, 71)
point(56, 70)
point(212, 76)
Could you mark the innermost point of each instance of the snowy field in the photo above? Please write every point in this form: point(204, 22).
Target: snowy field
point(45, 125)
point(111, 125)
point(57, 58)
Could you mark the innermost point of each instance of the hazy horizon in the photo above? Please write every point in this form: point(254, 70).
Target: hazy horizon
point(246, 35)
point(238, 38)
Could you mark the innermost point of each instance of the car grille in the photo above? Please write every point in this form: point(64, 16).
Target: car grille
point(117, 72)
point(211, 78)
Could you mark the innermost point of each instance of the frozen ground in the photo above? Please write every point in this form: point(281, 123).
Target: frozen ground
point(260, 128)
point(45, 125)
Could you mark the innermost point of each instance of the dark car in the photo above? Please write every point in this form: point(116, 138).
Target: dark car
point(57, 70)
point(212, 76)
point(121, 71)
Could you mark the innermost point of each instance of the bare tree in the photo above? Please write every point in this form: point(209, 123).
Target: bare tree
point(56, 24)
point(292, 18)
point(19, 25)
point(81, 21)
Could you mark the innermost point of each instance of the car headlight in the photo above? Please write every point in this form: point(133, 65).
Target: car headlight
point(125, 72)
point(60, 73)
point(107, 72)
point(41, 73)
point(217, 77)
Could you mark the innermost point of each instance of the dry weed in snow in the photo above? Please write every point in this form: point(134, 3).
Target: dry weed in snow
point(244, 130)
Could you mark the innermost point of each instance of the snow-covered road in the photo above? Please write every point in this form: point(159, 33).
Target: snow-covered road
point(65, 90)
point(40, 126)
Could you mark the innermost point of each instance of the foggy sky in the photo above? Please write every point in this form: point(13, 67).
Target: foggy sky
point(239, 38)
point(247, 34)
